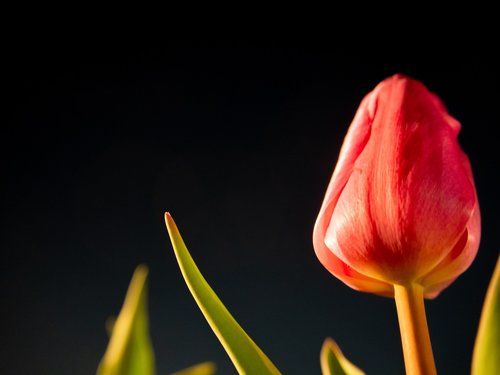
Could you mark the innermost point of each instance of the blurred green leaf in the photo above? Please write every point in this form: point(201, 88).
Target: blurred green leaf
point(129, 350)
point(205, 368)
point(245, 354)
point(486, 357)
point(333, 361)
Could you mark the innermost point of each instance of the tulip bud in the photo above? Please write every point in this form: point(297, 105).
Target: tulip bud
point(401, 207)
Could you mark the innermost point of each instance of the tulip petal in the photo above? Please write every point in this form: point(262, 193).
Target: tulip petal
point(408, 197)
point(246, 356)
point(205, 368)
point(457, 260)
point(486, 357)
point(129, 350)
point(345, 273)
point(333, 361)
point(354, 142)
point(462, 254)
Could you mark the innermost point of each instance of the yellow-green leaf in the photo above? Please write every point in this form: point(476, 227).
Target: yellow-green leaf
point(486, 357)
point(129, 350)
point(205, 368)
point(245, 354)
point(333, 361)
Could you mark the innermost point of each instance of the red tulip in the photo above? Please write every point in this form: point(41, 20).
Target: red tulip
point(401, 207)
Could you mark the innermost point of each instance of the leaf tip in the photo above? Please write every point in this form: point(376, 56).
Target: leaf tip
point(487, 344)
point(333, 361)
point(169, 221)
point(142, 270)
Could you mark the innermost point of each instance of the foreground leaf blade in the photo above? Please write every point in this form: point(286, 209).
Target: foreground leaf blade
point(205, 368)
point(244, 353)
point(129, 351)
point(486, 357)
point(333, 362)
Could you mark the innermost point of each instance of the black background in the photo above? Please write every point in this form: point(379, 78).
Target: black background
point(238, 141)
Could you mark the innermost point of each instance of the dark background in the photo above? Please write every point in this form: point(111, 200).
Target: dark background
point(238, 141)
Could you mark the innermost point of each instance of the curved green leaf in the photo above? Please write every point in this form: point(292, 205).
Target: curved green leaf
point(333, 361)
point(205, 368)
point(486, 357)
point(245, 354)
point(129, 350)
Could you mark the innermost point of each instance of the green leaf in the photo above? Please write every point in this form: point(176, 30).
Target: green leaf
point(205, 368)
point(245, 354)
point(129, 350)
point(486, 357)
point(333, 361)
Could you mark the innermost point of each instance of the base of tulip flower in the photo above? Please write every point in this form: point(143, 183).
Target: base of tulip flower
point(415, 338)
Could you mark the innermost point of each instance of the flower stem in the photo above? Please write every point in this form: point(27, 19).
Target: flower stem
point(417, 348)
